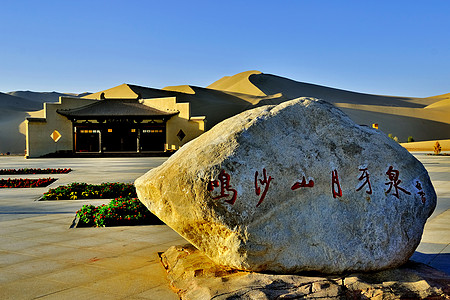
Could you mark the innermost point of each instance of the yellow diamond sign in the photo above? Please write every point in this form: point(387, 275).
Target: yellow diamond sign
point(55, 135)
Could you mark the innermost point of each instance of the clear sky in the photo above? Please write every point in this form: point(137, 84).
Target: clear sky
point(382, 47)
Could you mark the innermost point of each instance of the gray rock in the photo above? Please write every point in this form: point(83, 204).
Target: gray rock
point(294, 187)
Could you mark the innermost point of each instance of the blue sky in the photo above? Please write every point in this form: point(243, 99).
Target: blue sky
point(382, 47)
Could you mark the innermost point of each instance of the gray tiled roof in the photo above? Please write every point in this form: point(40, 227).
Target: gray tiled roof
point(115, 108)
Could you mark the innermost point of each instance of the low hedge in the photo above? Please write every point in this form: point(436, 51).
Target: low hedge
point(25, 182)
point(34, 171)
point(119, 212)
point(77, 190)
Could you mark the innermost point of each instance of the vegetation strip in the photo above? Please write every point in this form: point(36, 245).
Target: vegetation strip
point(34, 171)
point(26, 183)
point(76, 191)
point(119, 212)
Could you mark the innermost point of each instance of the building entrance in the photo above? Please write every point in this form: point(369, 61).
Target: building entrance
point(119, 137)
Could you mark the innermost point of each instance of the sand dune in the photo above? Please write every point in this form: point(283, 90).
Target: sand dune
point(421, 118)
point(17, 103)
point(427, 145)
point(40, 97)
point(180, 88)
point(238, 83)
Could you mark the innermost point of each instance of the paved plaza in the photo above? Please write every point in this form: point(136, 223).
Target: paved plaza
point(41, 257)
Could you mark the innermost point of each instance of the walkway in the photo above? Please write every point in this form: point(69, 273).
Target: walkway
point(40, 257)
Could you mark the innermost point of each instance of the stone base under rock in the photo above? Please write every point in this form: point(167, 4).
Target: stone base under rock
point(194, 276)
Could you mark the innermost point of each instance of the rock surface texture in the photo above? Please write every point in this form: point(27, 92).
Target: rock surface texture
point(294, 187)
point(193, 276)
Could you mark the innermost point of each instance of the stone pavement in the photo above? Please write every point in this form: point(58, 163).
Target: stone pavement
point(40, 257)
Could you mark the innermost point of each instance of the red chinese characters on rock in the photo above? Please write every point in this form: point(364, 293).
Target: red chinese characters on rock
point(266, 182)
point(298, 185)
point(262, 185)
point(394, 182)
point(334, 184)
point(420, 192)
point(224, 183)
point(364, 176)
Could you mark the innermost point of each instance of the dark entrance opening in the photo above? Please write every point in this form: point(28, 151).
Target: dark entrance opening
point(153, 138)
point(119, 138)
point(87, 139)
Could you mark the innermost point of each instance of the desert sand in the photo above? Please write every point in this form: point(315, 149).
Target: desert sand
point(425, 119)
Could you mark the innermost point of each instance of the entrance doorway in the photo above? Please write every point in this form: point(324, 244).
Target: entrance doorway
point(119, 137)
point(152, 138)
point(87, 140)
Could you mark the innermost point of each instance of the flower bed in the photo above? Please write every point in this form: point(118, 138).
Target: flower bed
point(76, 191)
point(34, 171)
point(119, 212)
point(26, 183)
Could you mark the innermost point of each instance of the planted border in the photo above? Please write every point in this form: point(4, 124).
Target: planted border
point(34, 171)
point(25, 183)
point(119, 212)
point(76, 191)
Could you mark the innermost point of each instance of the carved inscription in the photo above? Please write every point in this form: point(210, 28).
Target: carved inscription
point(262, 185)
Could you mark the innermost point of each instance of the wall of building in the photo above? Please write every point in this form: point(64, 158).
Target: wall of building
point(38, 140)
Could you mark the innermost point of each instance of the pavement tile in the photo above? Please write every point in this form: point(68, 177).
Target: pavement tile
point(83, 293)
point(15, 243)
point(159, 292)
point(36, 267)
point(46, 250)
point(7, 277)
point(124, 262)
point(79, 275)
point(82, 256)
point(125, 284)
point(81, 242)
point(29, 288)
point(10, 258)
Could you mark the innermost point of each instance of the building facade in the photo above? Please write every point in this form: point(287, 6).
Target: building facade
point(111, 126)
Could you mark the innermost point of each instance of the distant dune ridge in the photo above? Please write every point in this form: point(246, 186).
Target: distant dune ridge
point(422, 118)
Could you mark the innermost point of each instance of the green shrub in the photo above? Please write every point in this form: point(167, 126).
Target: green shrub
point(86, 215)
point(77, 190)
point(393, 137)
point(119, 212)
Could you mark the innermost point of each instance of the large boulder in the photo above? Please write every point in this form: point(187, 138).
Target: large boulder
point(294, 187)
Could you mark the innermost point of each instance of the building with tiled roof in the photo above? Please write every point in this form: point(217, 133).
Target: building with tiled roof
point(76, 126)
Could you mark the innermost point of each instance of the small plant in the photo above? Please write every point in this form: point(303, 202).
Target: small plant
point(437, 148)
point(86, 215)
point(410, 139)
point(393, 137)
point(119, 212)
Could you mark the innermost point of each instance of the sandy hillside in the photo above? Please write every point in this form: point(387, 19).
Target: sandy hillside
point(422, 118)
point(427, 146)
point(15, 107)
point(40, 97)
